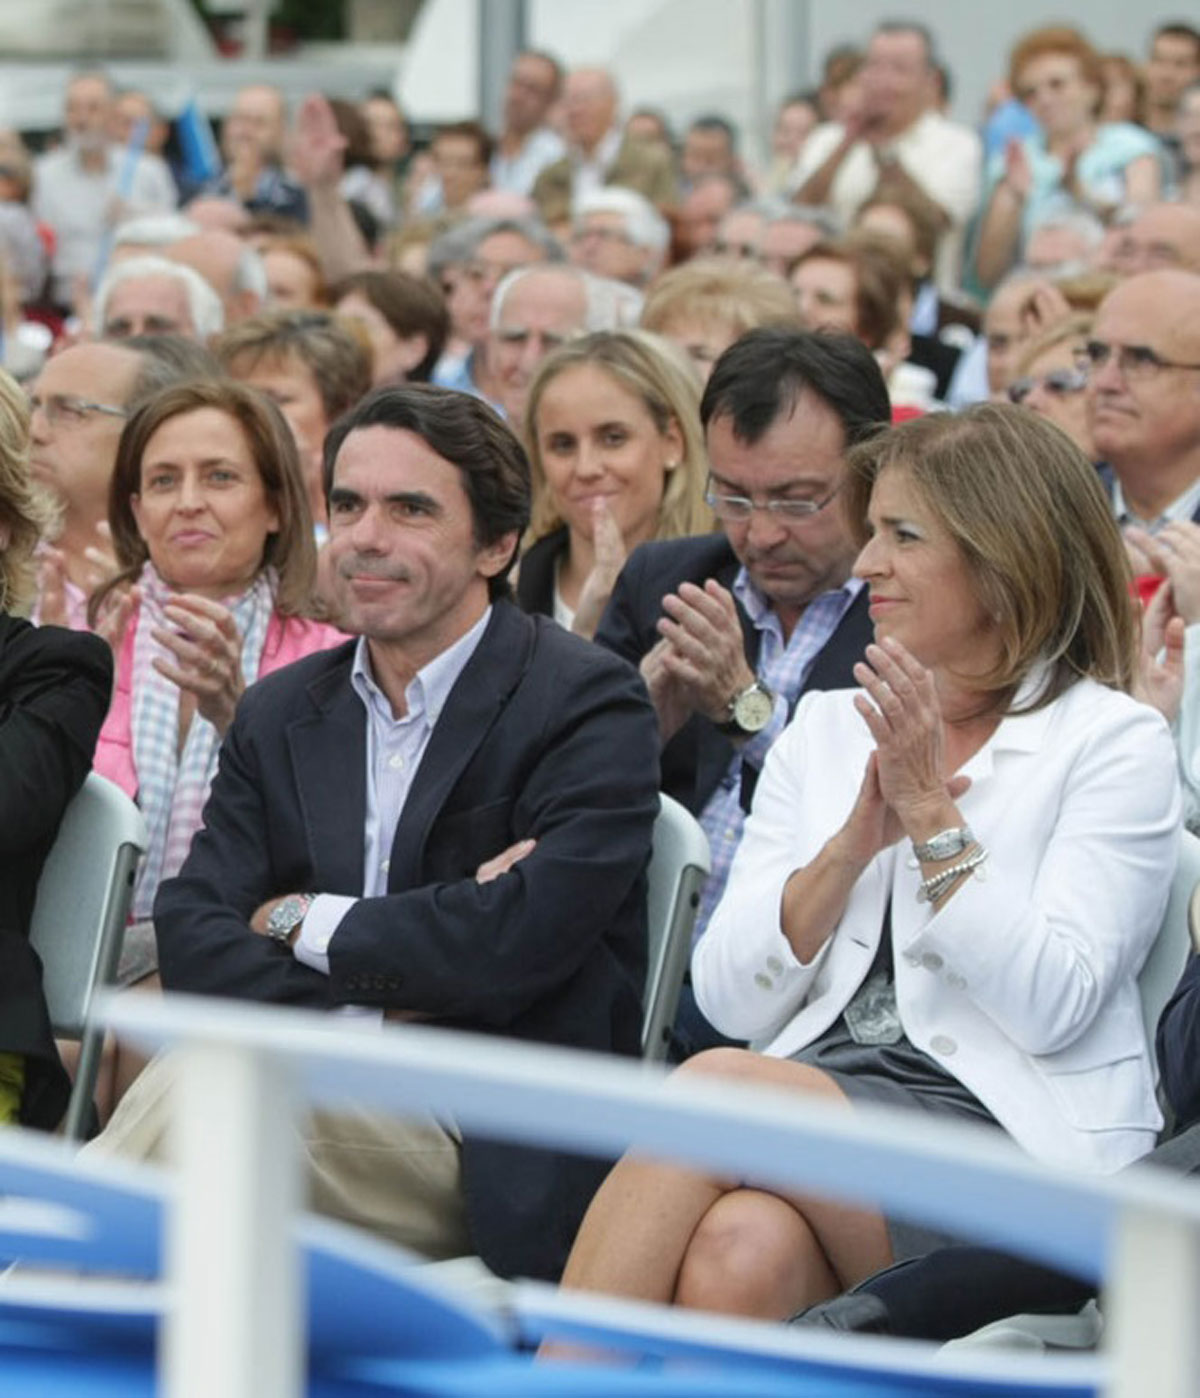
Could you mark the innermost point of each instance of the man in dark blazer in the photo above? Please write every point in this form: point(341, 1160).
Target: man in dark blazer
point(448, 820)
point(730, 629)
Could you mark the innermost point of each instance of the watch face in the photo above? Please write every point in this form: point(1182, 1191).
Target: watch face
point(752, 710)
point(284, 916)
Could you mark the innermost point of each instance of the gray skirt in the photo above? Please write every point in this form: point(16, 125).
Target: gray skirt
point(896, 1075)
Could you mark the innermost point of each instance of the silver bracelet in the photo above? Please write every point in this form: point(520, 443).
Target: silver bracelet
point(931, 889)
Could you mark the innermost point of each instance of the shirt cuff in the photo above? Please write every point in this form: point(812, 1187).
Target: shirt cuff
point(324, 917)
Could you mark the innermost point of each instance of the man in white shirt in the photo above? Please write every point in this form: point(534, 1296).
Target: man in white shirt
point(527, 144)
point(897, 137)
point(597, 154)
point(88, 185)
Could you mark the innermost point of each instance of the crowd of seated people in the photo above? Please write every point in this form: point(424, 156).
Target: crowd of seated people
point(432, 510)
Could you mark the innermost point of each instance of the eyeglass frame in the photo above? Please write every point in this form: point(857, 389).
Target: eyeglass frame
point(789, 511)
point(57, 403)
point(1142, 359)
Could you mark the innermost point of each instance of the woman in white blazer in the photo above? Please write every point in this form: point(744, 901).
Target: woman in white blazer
point(950, 877)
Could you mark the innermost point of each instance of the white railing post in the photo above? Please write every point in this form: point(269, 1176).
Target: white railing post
point(235, 1321)
point(1151, 1305)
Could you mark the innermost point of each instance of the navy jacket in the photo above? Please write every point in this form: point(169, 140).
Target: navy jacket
point(697, 757)
point(544, 736)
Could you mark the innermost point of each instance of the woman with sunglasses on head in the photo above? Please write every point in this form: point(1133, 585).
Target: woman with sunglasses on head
point(1052, 380)
point(857, 941)
point(54, 689)
point(617, 455)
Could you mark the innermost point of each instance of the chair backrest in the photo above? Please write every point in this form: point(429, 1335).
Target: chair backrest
point(679, 864)
point(1160, 975)
point(83, 899)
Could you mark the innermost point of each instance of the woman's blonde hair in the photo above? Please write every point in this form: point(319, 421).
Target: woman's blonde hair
point(25, 512)
point(1028, 511)
point(656, 373)
point(290, 550)
point(1073, 328)
point(739, 295)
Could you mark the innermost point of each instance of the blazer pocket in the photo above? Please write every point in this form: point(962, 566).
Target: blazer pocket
point(459, 843)
point(1110, 1096)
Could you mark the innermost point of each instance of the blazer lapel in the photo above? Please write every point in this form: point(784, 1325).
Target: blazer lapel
point(477, 699)
point(329, 758)
point(834, 665)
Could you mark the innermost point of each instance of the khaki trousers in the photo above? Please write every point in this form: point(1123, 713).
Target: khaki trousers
point(400, 1179)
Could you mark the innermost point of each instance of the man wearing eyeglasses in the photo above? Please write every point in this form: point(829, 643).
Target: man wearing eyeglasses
point(79, 403)
point(1145, 397)
point(729, 629)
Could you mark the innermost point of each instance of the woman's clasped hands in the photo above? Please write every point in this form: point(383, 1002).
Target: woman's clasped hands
point(904, 789)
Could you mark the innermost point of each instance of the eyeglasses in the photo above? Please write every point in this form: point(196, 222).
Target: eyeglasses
point(603, 235)
point(748, 252)
point(1134, 361)
point(1060, 382)
point(65, 410)
point(736, 509)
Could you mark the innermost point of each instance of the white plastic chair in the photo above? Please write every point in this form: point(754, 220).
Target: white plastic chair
point(679, 864)
point(79, 920)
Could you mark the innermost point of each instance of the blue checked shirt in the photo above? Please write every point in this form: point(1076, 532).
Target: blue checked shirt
point(783, 668)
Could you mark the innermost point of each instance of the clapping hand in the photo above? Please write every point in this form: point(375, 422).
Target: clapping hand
point(1174, 552)
point(207, 649)
point(706, 654)
point(902, 711)
point(608, 559)
point(1159, 681)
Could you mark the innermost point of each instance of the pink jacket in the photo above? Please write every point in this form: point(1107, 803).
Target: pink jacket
point(288, 638)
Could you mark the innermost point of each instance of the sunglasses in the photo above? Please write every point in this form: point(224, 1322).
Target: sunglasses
point(1059, 382)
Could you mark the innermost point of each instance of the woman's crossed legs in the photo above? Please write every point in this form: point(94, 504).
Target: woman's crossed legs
point(660, 1232)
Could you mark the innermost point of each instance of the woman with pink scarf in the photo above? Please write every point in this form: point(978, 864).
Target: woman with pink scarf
point(210, 524)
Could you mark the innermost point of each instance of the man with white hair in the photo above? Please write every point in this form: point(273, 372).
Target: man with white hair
point(537, 309)
point(597, 153)
point(87, 185)
point(469, 262)
point(154, 296)
point(1065, 241)
point(234, 270)
point(618, 233)
point(150, 233)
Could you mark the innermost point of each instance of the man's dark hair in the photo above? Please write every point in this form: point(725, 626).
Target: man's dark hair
point(713, 121)
point(464, 430)
point(913, 26)
point(759, 378)
point(552, 63)
point(410, 305)
point(1177, 29)
point(469, 131)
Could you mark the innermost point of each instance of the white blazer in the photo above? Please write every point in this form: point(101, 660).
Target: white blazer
point(1024, 984)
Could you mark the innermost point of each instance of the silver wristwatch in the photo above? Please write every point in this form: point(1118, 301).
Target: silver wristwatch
point(944, 845)
point(749, 711)
point(285, 917)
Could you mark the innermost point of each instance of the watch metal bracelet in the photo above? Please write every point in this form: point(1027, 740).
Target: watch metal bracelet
point(945, 844)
